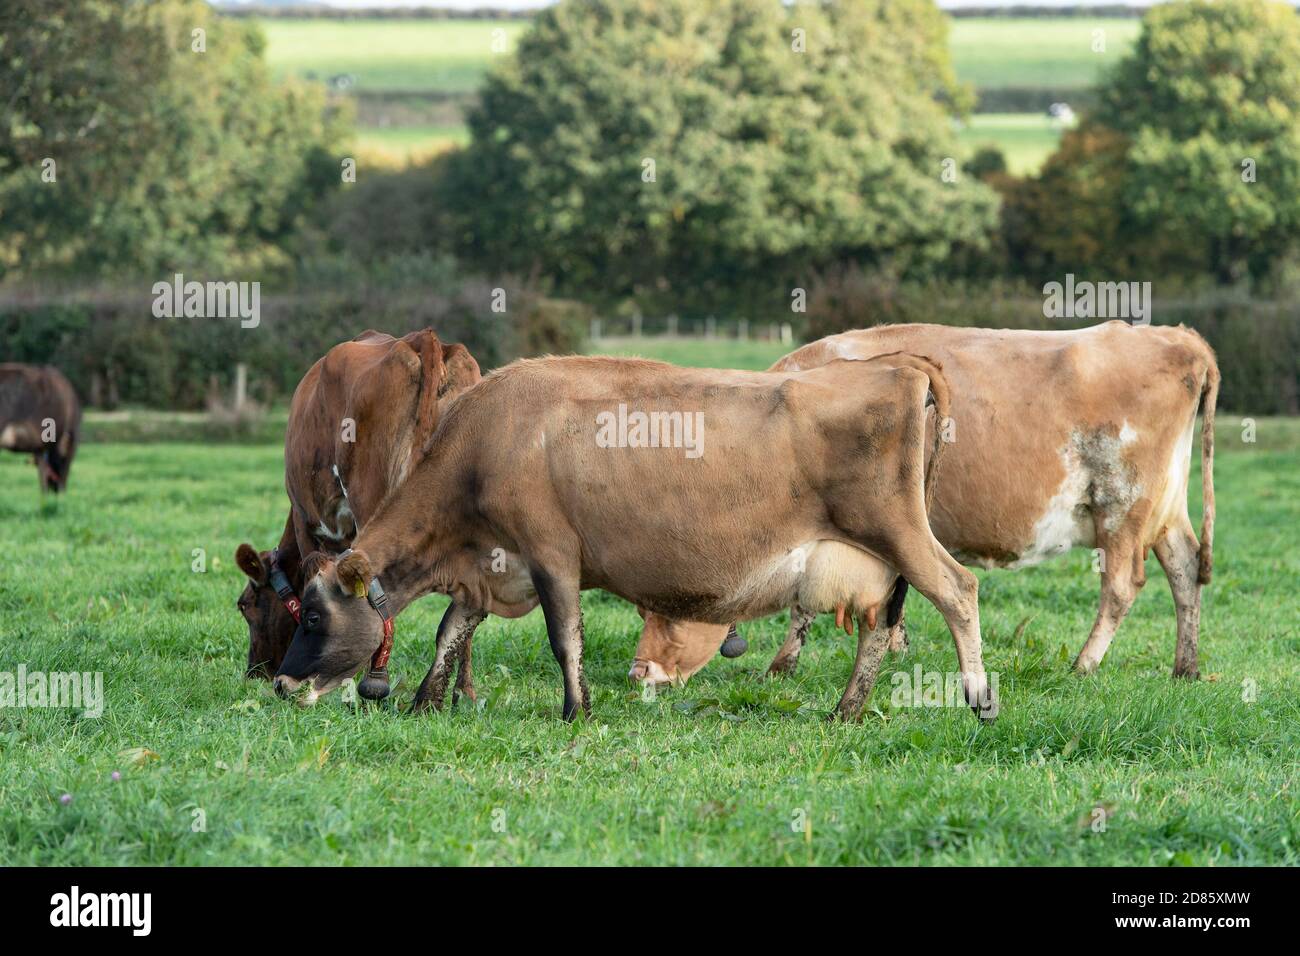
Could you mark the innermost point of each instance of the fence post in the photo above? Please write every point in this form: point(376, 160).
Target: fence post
point(241, 386)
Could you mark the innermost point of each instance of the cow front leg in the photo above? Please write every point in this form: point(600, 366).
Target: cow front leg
point(787, 658)
point(872, 645)
point(562, 606)
point(1178, 551)
point(454, 631)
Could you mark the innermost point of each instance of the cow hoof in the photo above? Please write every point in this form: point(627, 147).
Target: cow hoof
point(1187, 673)
point(782, 667)
point(734, 645)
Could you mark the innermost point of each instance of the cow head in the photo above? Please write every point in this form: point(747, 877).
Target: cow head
point(339, 631)
point(270, 623)
point(670, 651)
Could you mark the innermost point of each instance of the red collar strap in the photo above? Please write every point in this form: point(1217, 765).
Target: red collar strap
point(280, 581)
point(375, 684)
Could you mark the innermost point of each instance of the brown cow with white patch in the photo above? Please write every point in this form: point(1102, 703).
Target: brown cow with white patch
point(700, 493)
point(1058, 439)
point(359, 419)
point(40, 416)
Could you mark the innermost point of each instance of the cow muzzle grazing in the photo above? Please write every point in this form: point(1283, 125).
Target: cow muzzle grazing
point(672, 651)
point(339, 633)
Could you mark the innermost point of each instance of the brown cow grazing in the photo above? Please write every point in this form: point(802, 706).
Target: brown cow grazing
point(597, 474)
point(359, 419)
point(40, 416)
point(1059, 439)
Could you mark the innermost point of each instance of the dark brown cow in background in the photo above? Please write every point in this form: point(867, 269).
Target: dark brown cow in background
point(359, 419)
point(40, 416)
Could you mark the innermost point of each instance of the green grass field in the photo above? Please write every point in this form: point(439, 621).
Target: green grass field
point(215, 769)
point(1026, 139)
point(429, 56)
point(999, 52)
point(450, 57)
point(696, 352)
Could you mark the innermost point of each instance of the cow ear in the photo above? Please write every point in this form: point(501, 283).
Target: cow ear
point(354, 573)
point(250, 562)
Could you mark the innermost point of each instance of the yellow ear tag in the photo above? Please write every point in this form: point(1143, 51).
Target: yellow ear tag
point(359, 589)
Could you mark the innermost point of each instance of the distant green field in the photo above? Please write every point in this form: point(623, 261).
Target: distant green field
point(999, 52)
point(432, 56)
point(696, 352)
point(450, 58)
point(1026, 139)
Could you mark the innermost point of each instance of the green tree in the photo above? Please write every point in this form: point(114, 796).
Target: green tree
point(1191, 161)
point(692, 151)
point(169, 148)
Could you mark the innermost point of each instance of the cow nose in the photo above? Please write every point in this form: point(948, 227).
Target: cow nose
point(283, 685)
point(639, 671)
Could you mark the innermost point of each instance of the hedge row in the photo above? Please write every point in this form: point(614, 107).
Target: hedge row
point(116, 352)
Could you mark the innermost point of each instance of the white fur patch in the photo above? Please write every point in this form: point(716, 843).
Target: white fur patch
point(324, 532)
point(1064, 523)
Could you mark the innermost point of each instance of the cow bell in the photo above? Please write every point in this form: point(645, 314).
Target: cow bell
point(734, 645)
point(374, 686)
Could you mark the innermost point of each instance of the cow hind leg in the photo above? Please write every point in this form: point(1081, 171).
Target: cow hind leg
point(954, 591)
point(561, 603)
point(872, 645)
point(787, 658)
point(454, 631)
point(1178, 551)
point(1121, 580)
point(465, 674)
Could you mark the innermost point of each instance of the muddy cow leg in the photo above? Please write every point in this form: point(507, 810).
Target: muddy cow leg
point(465, 673)
point(787, 658)
point(1178, 551)
point(454, 631)
point(560, 600)
point(872, 645)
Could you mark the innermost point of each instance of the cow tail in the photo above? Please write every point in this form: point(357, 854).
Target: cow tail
point(941, 397)
point(1210, 396)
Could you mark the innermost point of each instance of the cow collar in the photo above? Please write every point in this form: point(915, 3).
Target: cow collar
point(379, 601)
point(280, 581)
point(46, 469)
point(375, 684)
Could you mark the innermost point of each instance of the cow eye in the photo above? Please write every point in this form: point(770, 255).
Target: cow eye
point(312, 620)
